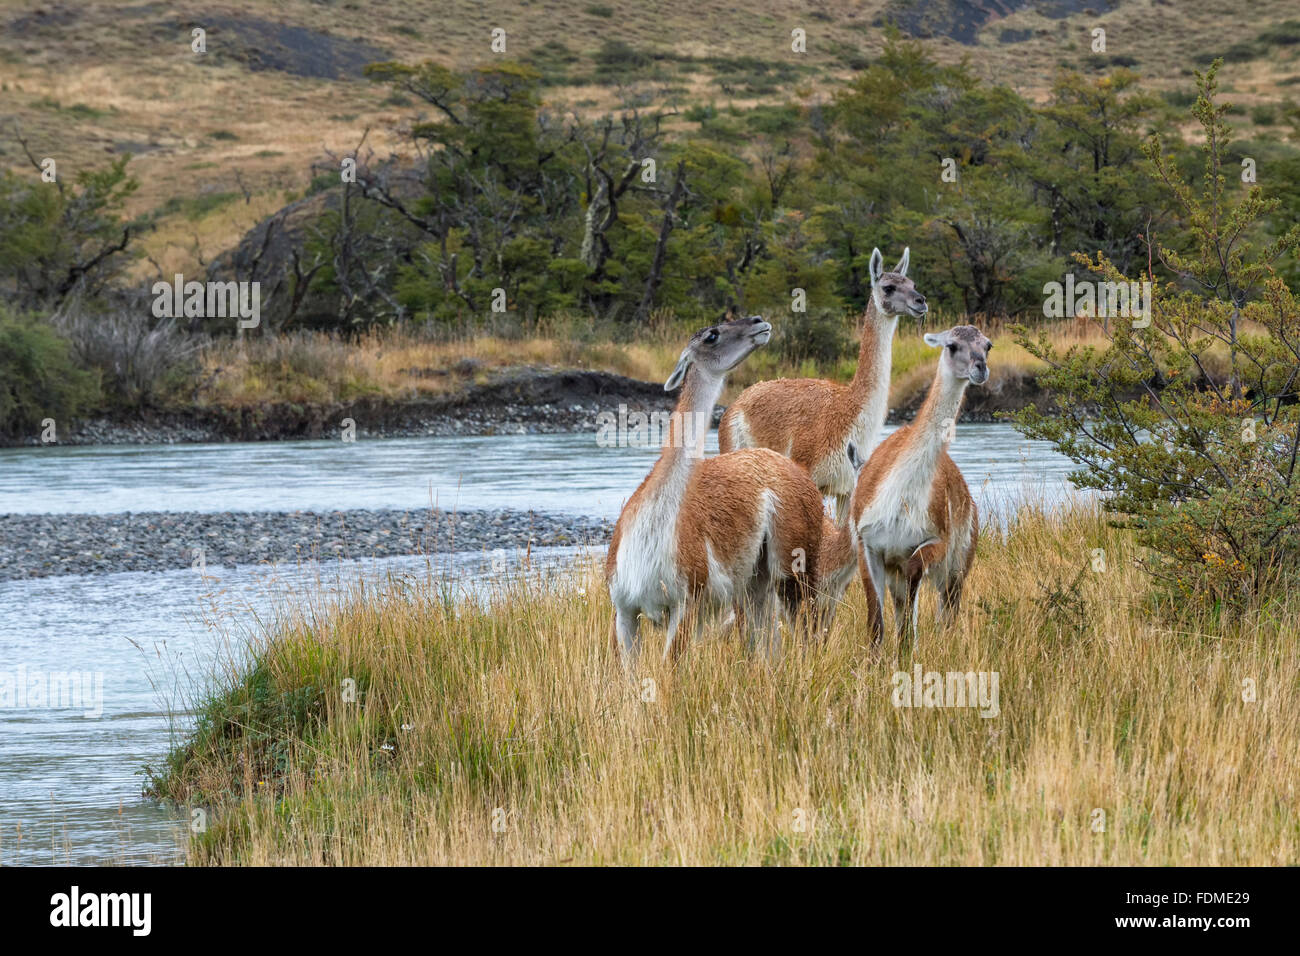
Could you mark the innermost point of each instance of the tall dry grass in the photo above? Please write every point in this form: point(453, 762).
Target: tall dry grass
point(1119, 740)
point(406, 363)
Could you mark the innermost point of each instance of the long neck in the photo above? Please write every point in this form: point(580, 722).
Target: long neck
point(688, 427)
point(934, 423)
point(875, 354)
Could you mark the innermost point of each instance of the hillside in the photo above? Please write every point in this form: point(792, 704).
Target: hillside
point(223, 139)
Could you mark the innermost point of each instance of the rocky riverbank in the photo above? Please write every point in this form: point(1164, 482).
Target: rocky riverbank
point(42, 545)
point(523, 401)
point(527, 401)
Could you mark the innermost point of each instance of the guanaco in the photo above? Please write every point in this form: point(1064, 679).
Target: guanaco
point(911, 511)
point(813, 420)
point(741, 529)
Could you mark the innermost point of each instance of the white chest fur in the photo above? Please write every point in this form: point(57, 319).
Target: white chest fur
point(647, 578)
point(898, 520)
point(835, 474)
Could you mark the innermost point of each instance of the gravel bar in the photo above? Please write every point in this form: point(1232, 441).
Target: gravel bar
point(42, 545)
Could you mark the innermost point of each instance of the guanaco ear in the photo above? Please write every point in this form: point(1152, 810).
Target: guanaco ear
point(679, 373)
point(901, 268)
point(935, 339)
point(877, 266)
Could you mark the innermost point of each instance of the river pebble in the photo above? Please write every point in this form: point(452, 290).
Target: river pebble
point(41, 545)
point(507, 420)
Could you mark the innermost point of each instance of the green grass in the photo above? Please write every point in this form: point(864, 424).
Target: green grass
point(194, 208)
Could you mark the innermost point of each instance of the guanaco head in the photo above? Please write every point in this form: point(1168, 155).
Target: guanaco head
point(720, 348)
point(965, 352)
point(893, 292)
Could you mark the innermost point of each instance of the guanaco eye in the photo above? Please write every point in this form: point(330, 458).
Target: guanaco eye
point(711, 337)
point(889, 289)
point(988, 348)
point(952, 347)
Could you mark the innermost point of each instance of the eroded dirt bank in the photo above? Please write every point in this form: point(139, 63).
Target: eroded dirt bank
point(519, 401)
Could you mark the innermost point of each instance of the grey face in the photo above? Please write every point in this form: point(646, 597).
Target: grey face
point(894, 292)
point(720, 348)
point(965, 352)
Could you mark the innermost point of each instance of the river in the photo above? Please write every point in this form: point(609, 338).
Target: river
point(141, 645)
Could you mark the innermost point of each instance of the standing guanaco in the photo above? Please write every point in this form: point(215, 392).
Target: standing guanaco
point(740, 529)
point(911, 511)
point(813, 420)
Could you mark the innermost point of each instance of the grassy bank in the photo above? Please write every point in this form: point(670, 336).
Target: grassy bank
point(272, 386)
point(513, 712)
point(399, 364)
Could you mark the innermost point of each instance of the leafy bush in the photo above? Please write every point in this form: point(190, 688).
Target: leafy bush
point(552, 60)
point(1242, 52)
point(1241, 543)
point(617, 56)
point(39, 378)
point(195, 208)
point(322, 182)
point(821, 335)
point(1263, 115)
point(1190, 424)
point(1286, 33)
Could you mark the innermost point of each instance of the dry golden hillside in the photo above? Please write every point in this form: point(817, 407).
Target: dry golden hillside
point(222, 139)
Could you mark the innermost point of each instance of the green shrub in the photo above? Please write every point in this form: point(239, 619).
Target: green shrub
point(1242, 52)
point(618, 57)
point(820, 335)
point(774, 120)
point(322, 182)
point(39, 379)
point(195, 208)
point(1240, 544)
point(1190, 424)
point(552, 60)
point(62, 241)
point(1286, 33)
point(1263, 115)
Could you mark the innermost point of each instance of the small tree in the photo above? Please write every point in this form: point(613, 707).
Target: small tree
point(58, 239)
point(1189, 424)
